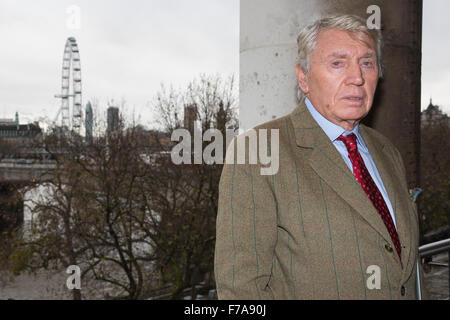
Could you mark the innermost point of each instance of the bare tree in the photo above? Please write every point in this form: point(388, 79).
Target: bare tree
point(208, 93)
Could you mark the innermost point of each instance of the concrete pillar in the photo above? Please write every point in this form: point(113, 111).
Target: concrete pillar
point(268, 51)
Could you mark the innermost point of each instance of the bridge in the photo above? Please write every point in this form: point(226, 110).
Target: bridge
point(25, 171)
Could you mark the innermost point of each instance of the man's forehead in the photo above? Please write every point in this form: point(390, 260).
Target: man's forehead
point(339, 42)
point(369, 53)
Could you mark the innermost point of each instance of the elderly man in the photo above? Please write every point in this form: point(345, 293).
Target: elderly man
point(336, 221)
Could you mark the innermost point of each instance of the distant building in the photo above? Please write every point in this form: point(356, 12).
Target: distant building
point(433, 115)
point(190, 116)
point(11, 130)
point(112, 119)
point(4, 121)
point(89, 119)
point(16, 140)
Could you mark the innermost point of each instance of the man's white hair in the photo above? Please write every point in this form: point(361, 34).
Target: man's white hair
point(307, 38)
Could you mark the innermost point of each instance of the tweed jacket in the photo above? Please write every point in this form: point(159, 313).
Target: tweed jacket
point(309, 231)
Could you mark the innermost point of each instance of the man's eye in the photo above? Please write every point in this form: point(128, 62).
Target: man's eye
point(368, 64)
point(336, 63)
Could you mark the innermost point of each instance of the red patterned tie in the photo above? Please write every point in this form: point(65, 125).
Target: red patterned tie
point(370, 188)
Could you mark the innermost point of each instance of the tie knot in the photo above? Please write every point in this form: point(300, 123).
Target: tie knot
point(349, 141)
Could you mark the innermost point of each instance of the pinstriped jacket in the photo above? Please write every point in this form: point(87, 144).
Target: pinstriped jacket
point(309, 231)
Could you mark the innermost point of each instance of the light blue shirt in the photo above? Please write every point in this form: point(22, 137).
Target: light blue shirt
point(333, 131)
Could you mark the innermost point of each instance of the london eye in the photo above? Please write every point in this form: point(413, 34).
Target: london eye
point(70, 88)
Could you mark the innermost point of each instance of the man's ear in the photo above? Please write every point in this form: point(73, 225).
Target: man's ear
point(302, 78)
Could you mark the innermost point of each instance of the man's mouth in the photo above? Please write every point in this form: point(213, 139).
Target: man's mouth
point(353, 99)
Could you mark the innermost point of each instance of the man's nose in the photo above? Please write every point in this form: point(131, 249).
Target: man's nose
point(355, 75)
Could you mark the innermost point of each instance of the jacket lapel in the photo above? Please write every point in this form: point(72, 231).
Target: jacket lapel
point(326, 161)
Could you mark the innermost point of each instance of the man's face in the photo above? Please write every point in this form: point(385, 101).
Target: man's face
point(343, 77)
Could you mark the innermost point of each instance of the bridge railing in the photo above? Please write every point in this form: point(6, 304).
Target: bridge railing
point(434, 248)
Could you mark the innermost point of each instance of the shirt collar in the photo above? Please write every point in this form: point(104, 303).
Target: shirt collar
point(332, 130)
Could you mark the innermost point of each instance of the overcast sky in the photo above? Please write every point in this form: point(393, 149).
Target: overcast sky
point(436, 54)
point(129, 47)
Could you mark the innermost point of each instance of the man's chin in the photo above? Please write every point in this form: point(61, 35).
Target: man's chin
point(352, 115)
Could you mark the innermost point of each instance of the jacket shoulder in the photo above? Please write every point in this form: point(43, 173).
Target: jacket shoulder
point(279, 123)
point(389, 147)
point(379, 137)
